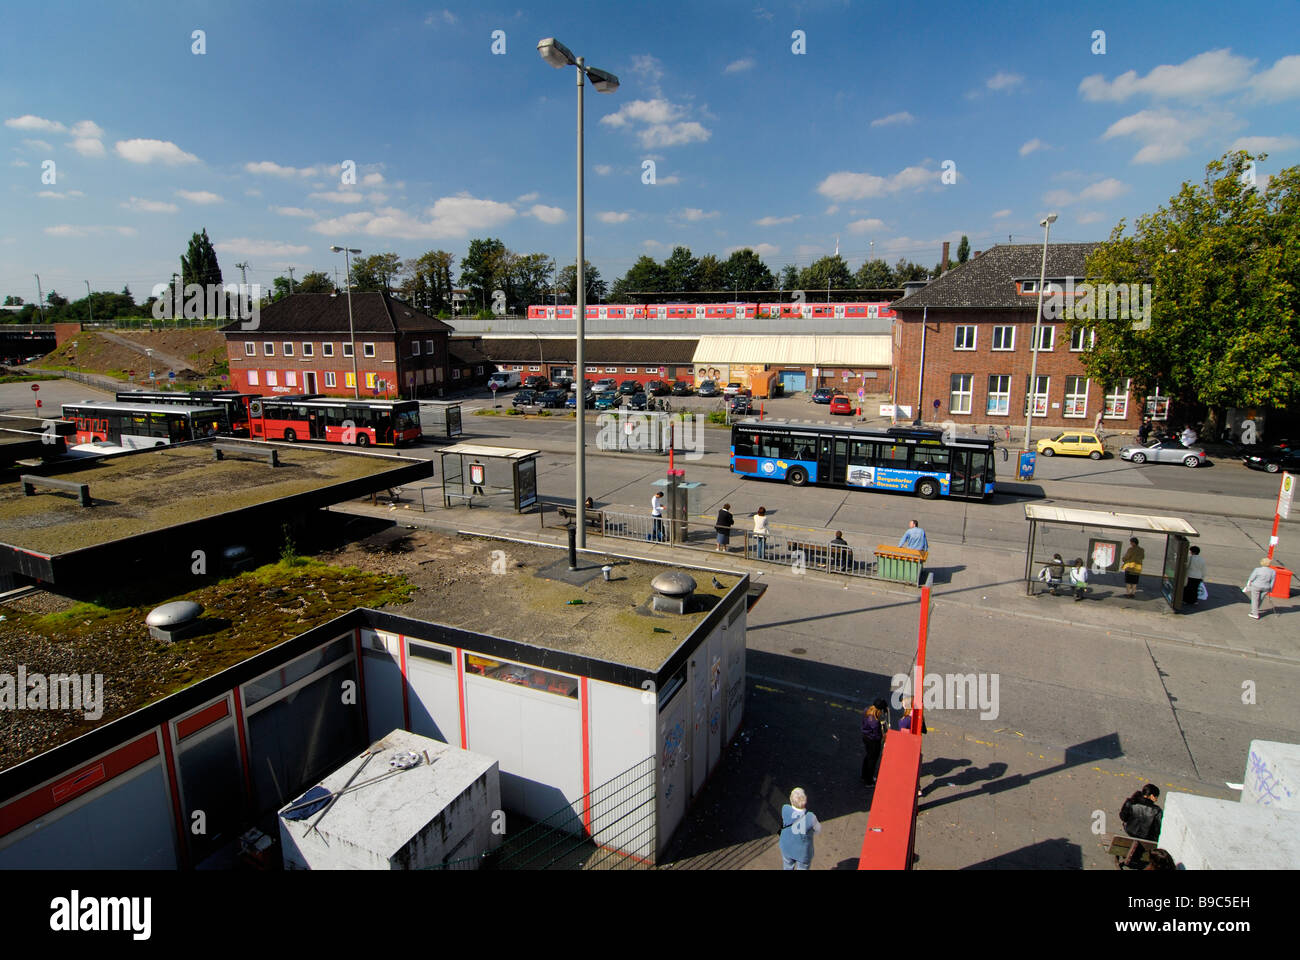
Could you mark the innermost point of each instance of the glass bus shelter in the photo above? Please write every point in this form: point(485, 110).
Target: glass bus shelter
point(473, 472)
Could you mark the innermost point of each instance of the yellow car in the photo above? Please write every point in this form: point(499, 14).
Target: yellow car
point(1073, 443)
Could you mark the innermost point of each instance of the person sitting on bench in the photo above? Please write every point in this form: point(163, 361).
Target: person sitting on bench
point(1053, 574)
point(1078, 577)
point(840, 555)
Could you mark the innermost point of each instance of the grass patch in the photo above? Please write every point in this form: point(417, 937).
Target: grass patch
point(24, 378)
point(487, 413)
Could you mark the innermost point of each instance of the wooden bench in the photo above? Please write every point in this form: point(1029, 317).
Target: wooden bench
point(593, 518)
point(1129, 851)
point(31, 482)
point(269, 454)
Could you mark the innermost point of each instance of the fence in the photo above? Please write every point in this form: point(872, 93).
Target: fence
point(610, 828)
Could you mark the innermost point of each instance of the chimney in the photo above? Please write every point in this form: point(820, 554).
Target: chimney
point(944, 268)
point(977, 253)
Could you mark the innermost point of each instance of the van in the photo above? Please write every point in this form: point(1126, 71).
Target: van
point(504, 380)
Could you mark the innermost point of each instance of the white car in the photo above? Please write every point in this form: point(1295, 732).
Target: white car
point(605, 386)
point(732, 389)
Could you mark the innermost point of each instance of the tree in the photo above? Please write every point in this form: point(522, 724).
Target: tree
point(57, 300)
point(568, 282)
point(480, 269)
point(530, 279)
point(963, 249)
point(905, 270)
point(199, 264)
point(745, 271)
point(376, 272)
point(873, 273)
point(279, 288)
point(428, 281)
point(710, 274)
point(644, 276)
point(314, 282)
point(828, 272)
point(680, 270)
point(1223, 264)
point(12, 301)
point(789, 279)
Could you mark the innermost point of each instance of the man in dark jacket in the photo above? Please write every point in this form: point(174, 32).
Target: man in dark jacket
point(1140, 815)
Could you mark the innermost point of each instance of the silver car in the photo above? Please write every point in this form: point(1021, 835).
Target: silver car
point(1165, 451)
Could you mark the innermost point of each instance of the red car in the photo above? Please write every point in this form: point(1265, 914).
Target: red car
point(841, 404)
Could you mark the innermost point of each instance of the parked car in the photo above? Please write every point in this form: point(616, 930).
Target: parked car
point(562, 383)
point(629, 387)
point(823, 395)
point(741, 405)
point(709, 389)
point(657, 388)
point(607, 385)
point(552, 398)
point(608, 400)
point(731, 389)
point(682, 389)
point(524, 398)
point(1073, 443)
point(1273, 461)
point(537, 382)
point(1167, 450)
point(841, 404)
point(637, 401)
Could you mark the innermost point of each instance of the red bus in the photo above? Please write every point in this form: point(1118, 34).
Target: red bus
point(384, 423)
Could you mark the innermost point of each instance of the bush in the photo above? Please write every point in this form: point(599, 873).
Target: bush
point(544, 412)
point(515, 411)
point(717, 416)
point(487, 413)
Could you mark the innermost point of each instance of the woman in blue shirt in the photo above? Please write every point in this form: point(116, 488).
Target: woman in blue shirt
point(798, 824)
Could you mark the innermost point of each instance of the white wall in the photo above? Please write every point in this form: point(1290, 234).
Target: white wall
point(1272, 775)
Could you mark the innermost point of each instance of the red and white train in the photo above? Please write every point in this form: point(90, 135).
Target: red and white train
point(715, 311)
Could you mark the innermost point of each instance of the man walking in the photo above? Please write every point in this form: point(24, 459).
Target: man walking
point(657, 511)
point(1259, 585)
point(914, 537)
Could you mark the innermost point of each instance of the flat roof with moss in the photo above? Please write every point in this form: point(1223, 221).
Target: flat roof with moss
point(149, 490)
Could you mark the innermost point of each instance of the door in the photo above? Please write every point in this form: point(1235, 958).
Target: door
point(959, 478)
point(825, 460)
point(309, 381)
point(793, 381)
point(841, 461)
point(316, 421)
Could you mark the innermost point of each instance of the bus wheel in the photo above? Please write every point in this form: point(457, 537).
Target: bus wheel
point(797, 477)
point(363, 440)
point(290, 436)
point(927, 489)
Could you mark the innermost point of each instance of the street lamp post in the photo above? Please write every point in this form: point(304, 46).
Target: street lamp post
point(149, 353)
point(89, 306)
point(1046, 224)
point(352, 334)
point(559, 56)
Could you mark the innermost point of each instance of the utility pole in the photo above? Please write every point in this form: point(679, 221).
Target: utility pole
point(40, 297)
point(243, 275)
point(89, 306)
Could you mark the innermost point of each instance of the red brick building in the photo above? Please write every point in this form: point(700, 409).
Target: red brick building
point(301, 344)
point(965, 341)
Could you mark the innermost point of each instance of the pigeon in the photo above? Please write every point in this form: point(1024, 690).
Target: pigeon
point(717, 583)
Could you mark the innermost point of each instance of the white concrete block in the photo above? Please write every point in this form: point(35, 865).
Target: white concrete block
point(1201, 833)
point(419, 817)
point(1272, 775)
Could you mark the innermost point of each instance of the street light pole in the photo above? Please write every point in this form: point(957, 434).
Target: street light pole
point(352, 334)
point(1046, 224)
point(89, 306)
point(559, 56)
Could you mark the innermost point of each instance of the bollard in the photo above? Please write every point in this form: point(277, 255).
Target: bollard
point(605, 572)
point(573, 548)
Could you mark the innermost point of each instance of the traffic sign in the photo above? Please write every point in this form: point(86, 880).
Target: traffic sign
point(38, 403)
point(36, 386)
point(1284, 495)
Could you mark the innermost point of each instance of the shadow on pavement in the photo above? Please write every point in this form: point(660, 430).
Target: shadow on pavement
point(1057, 854)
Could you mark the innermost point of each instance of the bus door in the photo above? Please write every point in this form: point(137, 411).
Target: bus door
point(384, 427)
point(316, 418)
point(969, 468)
point(832, 459)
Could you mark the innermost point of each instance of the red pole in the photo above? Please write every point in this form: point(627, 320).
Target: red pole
point(923, 631)
point(671, 444)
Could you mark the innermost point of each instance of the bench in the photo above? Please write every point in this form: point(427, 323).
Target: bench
point(593, 518)
point(1129, 851)
point(31, 482)
point(269, 454)
point(448, 497)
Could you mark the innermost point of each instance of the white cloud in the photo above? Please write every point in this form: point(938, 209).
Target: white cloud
point(376, 198)
point(1099, 192)
point(202, 197)
point(739, 66)
point(893, 118)
point(252, 192)
point(648, 68)
point(695, 214)
point(845, 185)
point(153, 151)
point(448, 218)
point(29, 122)
point(244, 247)
point(1205, 75)
point(1280, 81)
point(1165, 135)
point(529, 198)
point(337, 196)
point(833, 209)
point(661, 122)
point(643, 111)
point(862, 226)
point(649, 245)
point(19, 163)
point(446, 16)
point(372, 179)
point(604, 170)
point(612, 216)
point(141, 205)
point(87, 128)
point(548, 214)
point(276, 170)
point(666, 182)
point(1004, 81)
point(773, 221)
point(1090, 217)
point(88, 147)
point(38, 145)
point(673, 134)
point(1265, 144)
point(762, 249)
point(293, 212)
point(1029, 146)
point(1001, 213)
point(55, 195)
point(71, 230)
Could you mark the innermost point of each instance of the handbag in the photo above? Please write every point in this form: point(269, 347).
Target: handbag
point(1201, 592)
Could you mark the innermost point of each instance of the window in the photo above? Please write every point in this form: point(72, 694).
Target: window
point(290, 378)
point(1046, 337)
point(415, 348)
point(308, 350)
point(288, 349)
point(370, 381)
point(1117, 401)
point(428, 347)
point(961, 390)
point(999, 394)
point(271, 380)
point(329, 379)
point(348, 349)
point(1004, 338)
point(438, 370)
point(268, 349)
point(1027, 286)
point(541, 680)
point(349, 379)
point(593, 369)
point(250, 348)
point(1039, 395)
point(327, 349)
point(455, 373)
point(611, 369)
point(252, 378)
point(1076, 396)
point(651, 369)
point(629, 369)
point(964, 338)
point(367, 349)
point(1083, 338)
point(534, 368)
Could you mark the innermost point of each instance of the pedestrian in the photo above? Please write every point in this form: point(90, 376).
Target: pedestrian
point(1159, 859)
point(1096, 423)
point(723, 526)
point(1188, 436)
point(1144, 431)
point(1195, 577)
point(1078, 577)
point(657, 511)
point(798, 824)
point(841, 556)
point(873, 738)
point(1259, 585)
point(760, 532)
point(905, 721)
point(1141, 818)
point(1053, 573)
point(914, 537)
point(1131, 564)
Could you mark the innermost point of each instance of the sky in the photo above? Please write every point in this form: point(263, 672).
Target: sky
point(886, 128)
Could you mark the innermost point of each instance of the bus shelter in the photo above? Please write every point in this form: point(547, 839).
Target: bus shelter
point(1101, 538)
point(475, 472)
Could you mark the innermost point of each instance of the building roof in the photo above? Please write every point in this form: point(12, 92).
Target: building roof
point(561, 350)
point(372, 312)
point(989, 280)
point(465, 353)
point(844, 351)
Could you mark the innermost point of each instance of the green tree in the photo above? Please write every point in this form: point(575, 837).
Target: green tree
point(568, 282)
point(828, 272)
point(199, 263)
point(376, 272)
point(54, 299)
point(12, 301)
point(789, 279)
point(480, 271)
point(530, 276)
point(873, 274)
point(644, 276)
point(428, 281)
point(279, 288)
point(744, 270)
point(905, 270)
point(680, 270)
point(710, 274)
point(963, 249)
point(314, 282)
point(1223, 262)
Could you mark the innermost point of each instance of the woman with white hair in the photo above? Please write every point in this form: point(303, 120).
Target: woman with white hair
point(1259, 585)
point(798, 824)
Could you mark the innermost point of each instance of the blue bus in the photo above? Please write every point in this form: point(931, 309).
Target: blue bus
point(915, 460)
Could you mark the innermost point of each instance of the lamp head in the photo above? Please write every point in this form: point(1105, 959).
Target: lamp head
point(602, 80)
point(1050, 218)
point(556, 53)
point(335, 249)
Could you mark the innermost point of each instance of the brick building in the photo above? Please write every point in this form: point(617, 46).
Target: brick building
point(622, 358)
point(965, 341)
point(302, 345)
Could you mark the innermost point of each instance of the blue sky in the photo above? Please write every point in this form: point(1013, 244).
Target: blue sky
point(753, 144)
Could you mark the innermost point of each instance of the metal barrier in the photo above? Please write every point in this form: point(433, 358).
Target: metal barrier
point(638, 526)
